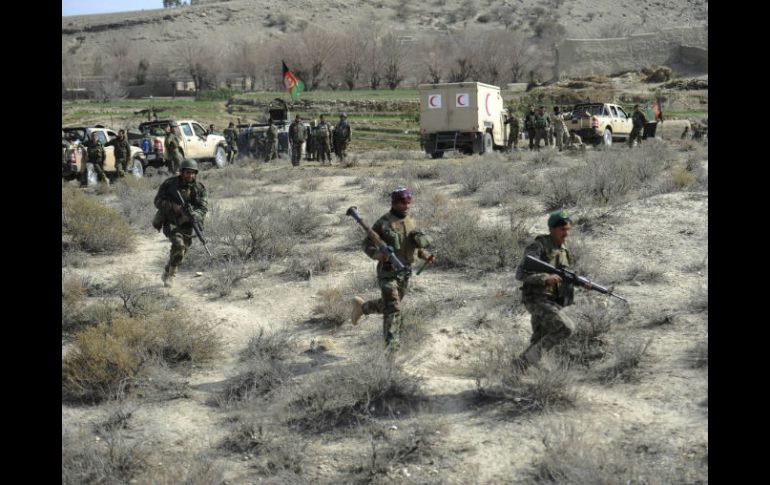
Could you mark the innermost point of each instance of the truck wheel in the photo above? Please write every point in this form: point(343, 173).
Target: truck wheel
point(435, 155)
point(137, 170)
point(486, 143)
point(220, 157)
point(607, 137)
point(89, 177)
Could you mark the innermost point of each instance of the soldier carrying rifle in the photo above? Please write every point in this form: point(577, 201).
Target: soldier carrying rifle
point(549, 286)
point(395, 242)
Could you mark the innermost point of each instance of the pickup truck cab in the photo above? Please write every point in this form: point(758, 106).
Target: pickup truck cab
point(600, 123)
point(74, 159)
point(195, 142)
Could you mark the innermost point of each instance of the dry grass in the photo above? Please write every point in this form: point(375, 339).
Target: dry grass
point(333, 306)
point(92, 226)
point(110, 460)
point(627, 356)
point(500, 377)
point(106, 359)
point(572, 458)
point(349, 395)
point(135, 200)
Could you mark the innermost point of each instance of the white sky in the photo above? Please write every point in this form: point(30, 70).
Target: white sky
point(87, 7)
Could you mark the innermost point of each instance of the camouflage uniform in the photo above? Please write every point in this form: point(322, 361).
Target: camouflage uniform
point(542, 123)
point(574, 142)
point(231, 138)
point(310, 145)
point(545, 302)
point(296, 138)
point(559, 129)
point(271, 143)
point(95, 154)
point(529, 125)
point(341, 139)
point(402, 234)
point(323, 136)
point(180, 235)
point(513, 137)
point(122, 154)
point(173, 151)
point(639, 121)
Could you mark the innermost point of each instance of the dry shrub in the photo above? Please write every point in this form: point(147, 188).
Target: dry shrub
point(333, 307)
point(92, 226)
point(274, 451)
point(195, 470)
point(565, 191)
point(627, 356)
point(595, 318)
point(316, 262)
point(348, 395)
point(499, 376)
point(680, 178)
point(608, 177)
point(545, 156)
point(460, 241)
point(390, 450)
point(265, 368)
point(73, 294)
point(309, 184)
point(263, 230)
point(177, 336)
point(135, 201)
point(227, 275)
point(571, 458)
point(108, 461)
point(107, 358)
point(103, 360)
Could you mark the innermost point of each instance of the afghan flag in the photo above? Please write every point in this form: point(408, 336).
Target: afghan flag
point(293, 85)
point(657, 109)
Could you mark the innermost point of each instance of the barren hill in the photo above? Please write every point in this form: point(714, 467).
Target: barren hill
point(154, 33)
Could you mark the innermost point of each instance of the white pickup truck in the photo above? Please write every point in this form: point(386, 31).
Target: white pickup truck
point(195, 142)
point(74, 158)
point(600, 123)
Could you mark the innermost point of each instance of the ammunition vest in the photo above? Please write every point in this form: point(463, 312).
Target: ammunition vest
point(395, 232)
point(558, 257)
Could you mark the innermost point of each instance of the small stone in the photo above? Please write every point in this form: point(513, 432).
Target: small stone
point(198, 273)
point(394, 427)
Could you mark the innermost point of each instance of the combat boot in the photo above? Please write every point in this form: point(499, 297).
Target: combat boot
point(168, 276)
point(532, 355)
point(358, 310)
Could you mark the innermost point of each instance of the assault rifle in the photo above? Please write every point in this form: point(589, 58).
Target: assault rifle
point(534, 264)
point(381, 245)
point(187, 210)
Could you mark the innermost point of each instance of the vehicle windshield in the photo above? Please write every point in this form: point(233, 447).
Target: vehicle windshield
point(592, 109)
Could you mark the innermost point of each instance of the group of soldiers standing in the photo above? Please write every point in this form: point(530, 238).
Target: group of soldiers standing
point(321, 138)
point(539, 125)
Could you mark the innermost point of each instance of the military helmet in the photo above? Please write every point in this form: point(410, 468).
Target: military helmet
point(343, 115)
point(189, 163)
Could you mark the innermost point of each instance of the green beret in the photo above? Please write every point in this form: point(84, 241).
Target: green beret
point(556, 217)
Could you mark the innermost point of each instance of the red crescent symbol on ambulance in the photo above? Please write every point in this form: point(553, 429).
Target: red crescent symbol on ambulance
point(430, 100)
point(486, 104)
point(459, 100)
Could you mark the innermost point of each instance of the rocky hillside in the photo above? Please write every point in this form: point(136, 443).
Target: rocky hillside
point(162, 30)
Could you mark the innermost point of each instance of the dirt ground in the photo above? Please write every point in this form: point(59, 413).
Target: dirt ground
point(657, 422)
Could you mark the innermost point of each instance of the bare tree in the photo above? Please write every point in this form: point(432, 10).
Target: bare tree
point(393, 53)
point(202, 64)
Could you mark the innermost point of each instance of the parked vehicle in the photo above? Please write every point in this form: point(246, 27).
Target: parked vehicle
point(600, 123)
point(74, 160)
point(195, 141)
point(467, 117)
